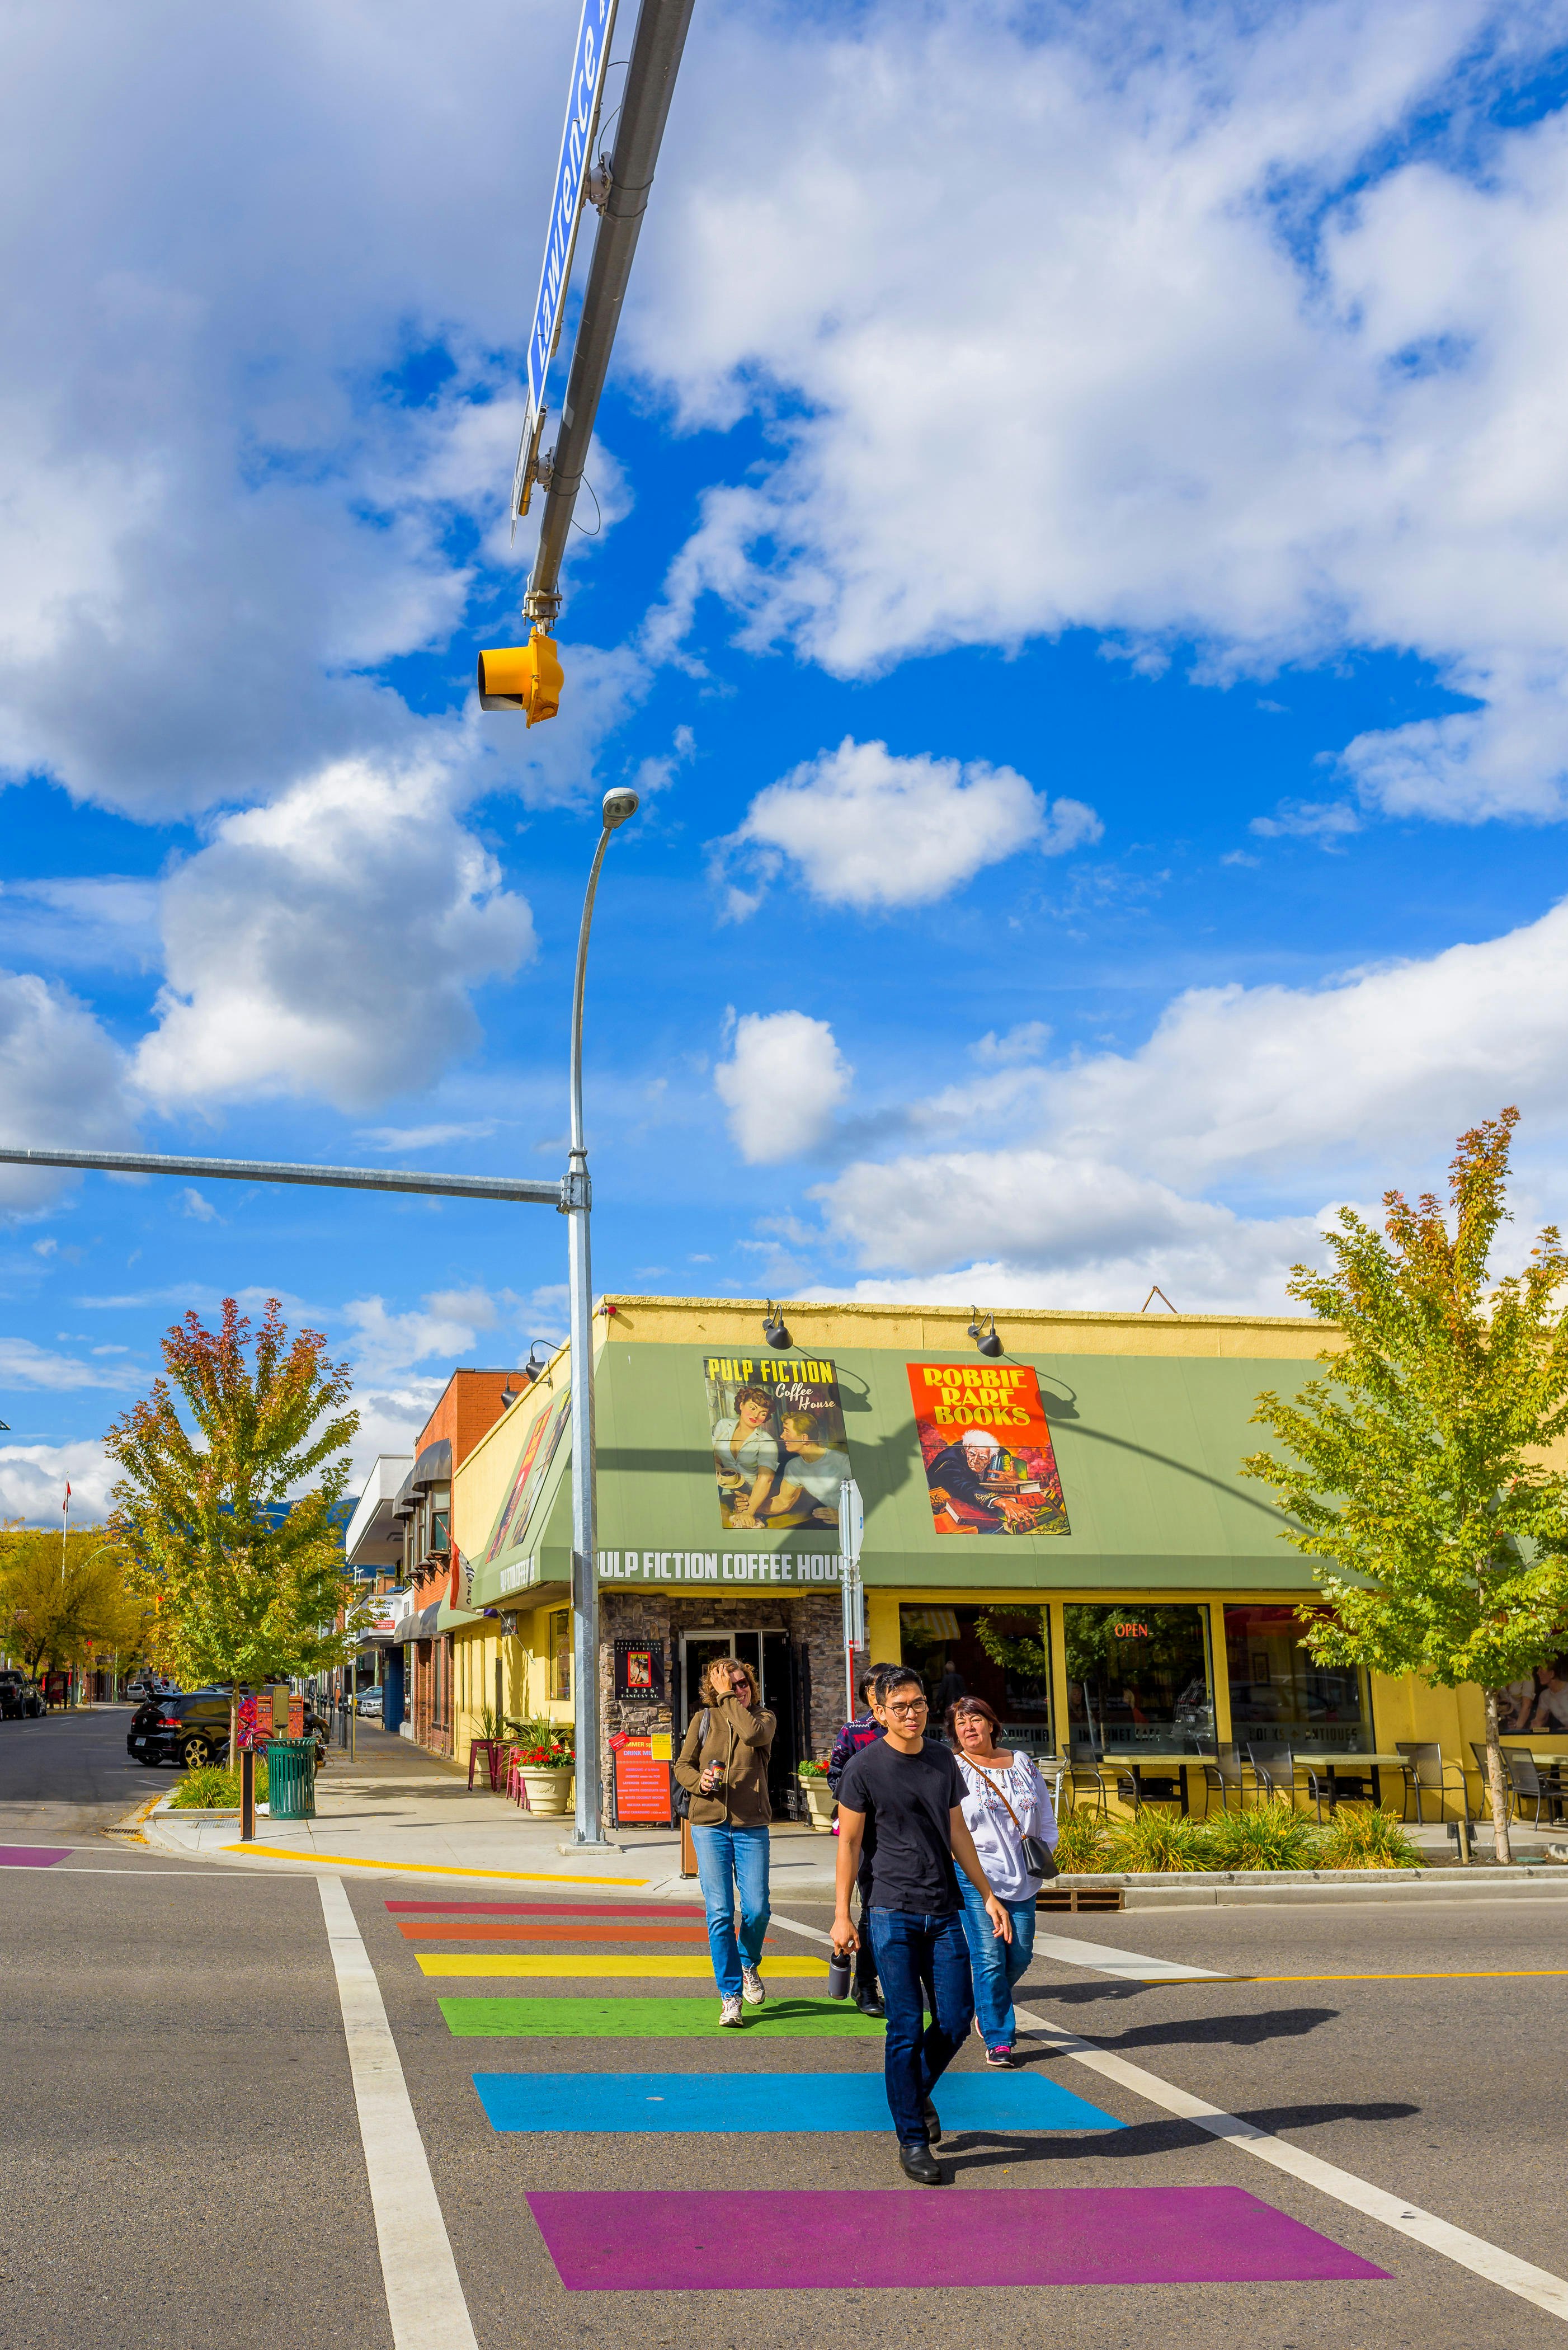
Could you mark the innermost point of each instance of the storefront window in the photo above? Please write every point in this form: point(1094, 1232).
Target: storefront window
point(1280, 1698)
point(1138, 1676)
point(1002, 1654)
point(561, 1653)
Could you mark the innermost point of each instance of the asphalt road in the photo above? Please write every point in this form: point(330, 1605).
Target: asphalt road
point(181, 2161)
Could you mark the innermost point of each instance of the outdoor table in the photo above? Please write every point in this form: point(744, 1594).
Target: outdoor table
point(1164, 1766)
point(1355, 1766)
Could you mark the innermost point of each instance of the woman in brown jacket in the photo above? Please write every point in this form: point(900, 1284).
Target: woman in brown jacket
point(725, 1773)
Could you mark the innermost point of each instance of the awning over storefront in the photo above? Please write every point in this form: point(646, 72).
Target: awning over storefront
point(1111, 1471)
point(434, 1466)
point(420, 1626)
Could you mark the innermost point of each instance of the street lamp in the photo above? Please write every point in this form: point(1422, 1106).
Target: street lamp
point(588, 1830)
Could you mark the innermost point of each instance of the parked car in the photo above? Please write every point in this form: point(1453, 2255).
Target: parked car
point(370, 1703)
point(18, 1696)
point(189, 1727)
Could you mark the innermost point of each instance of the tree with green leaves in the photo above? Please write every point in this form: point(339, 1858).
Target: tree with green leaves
point(230, 1471)
point(1419, 1467)
point(63, 1601)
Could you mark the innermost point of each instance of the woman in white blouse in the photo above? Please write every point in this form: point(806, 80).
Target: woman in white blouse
point(1006, 1800)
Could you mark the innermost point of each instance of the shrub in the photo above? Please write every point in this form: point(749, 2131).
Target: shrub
point(1271, 1836)
point(1360, 1837)
point(213, 1789)
point(1082, 1843)
point(541, 1745)
point(1159, 1840)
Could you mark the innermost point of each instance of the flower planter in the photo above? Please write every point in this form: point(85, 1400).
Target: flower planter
point(548, 1789)
point(820, 1802)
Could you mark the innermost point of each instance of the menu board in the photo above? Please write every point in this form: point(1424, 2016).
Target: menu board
point(642, 1778)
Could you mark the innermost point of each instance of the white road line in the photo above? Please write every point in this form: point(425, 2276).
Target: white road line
point(1128, 1966)
point(424, 2299)
point(1473, 2252)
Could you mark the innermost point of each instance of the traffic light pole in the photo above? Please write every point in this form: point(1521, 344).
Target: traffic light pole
point(656, 50)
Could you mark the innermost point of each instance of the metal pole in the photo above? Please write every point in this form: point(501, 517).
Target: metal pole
point(542, 1193)
point(588, 1830)
point(646, 93)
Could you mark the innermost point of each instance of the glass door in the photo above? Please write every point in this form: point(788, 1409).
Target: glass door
point(771, 1657)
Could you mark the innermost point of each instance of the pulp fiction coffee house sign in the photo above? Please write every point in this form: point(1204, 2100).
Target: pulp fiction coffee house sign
point(802, 1571)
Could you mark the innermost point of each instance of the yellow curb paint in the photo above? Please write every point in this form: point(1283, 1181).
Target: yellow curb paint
point(531, 1962)
point(423, 1867)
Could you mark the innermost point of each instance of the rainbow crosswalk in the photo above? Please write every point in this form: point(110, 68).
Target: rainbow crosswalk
point(774, 2238)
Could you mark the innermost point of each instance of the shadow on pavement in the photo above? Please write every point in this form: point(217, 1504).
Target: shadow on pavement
point(968, 2150)
point(1230, 2031)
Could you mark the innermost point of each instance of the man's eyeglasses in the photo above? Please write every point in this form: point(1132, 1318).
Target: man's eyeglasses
point(916, 1705)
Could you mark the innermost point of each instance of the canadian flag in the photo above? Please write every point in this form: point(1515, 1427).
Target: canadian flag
point(66, 1505)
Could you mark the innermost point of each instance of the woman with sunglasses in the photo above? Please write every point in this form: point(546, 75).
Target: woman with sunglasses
point(724, 1766)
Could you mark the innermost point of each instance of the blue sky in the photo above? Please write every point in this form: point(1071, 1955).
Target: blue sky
point(1079, 591)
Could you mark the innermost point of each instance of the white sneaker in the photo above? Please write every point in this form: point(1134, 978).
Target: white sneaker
point(730, 2012)
point(753, 1991)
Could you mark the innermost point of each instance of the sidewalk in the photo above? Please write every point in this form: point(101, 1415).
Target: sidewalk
point(395, 1809)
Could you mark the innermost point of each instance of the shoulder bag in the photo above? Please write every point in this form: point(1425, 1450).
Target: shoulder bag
point(680, 1796)
point(1038, 1858)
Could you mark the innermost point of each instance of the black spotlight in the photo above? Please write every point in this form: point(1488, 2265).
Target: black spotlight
point(983, 1331)
point(774, 1329)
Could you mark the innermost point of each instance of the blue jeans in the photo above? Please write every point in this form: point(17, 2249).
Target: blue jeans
point(997, 1964)
point(921, 1961)
point(730, 1861)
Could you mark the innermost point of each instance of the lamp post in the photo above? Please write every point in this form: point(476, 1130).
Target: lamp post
point(588, 1830)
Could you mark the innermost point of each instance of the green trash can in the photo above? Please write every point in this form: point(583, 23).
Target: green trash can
point(291, 1779)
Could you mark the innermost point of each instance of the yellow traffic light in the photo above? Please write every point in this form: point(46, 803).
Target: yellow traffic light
point(522, 677)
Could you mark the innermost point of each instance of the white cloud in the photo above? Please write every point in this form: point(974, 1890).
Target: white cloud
point(1247, 354)
point(784, 1078)
point(867, 829)
point(33, 1482)
point(1202, 1159)
point(1024, 1041)
point(326, 944)
point(62, 1081)
point(196, 1206)
point(1325, 821)
point(26, 1364)
point(387, 1346)
point(427, 1138)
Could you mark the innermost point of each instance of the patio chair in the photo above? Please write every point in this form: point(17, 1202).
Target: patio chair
point(1527, 1786)
point(1086, 1784)
point(1223, 1776)
point(1274, 1773)
point(1136, 1792)
point(1427, 1773)
point(1319, 1783)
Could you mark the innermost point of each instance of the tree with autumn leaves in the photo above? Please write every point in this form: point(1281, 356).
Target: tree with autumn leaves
point(230, 1471)
point(68, 1602)
point(1422, 1472)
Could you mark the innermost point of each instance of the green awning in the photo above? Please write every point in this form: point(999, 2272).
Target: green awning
point(1125, 1473)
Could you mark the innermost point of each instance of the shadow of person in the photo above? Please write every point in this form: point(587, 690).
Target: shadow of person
point(979, 2151)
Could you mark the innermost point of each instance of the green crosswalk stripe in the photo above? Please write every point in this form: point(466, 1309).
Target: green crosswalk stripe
point(654, 2019)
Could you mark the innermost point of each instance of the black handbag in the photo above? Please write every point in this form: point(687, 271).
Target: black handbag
point(1038, 1858)
point(680, 1796)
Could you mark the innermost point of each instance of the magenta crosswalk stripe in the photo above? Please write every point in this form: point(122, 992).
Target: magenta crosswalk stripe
point(665, 2240)
point(32, 1855)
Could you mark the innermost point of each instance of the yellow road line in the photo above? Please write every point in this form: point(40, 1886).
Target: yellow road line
point(426, 1867)
point(620, 1963)
point(1463, 1974)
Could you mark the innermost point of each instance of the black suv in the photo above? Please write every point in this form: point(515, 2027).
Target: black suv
point(189, 1728)
point(17, 1696)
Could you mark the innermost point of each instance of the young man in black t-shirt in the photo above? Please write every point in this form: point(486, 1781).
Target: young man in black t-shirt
point(912, 1791)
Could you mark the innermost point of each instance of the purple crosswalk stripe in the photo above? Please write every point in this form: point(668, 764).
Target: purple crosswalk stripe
point(664, 2239)
point(32, 1855)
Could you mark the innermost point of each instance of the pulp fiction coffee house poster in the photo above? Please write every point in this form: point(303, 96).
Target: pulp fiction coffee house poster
point(991, 1467)
point(779, 1449)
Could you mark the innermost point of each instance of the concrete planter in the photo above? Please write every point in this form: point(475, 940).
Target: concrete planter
point(819, 1802)
point(548, 1791)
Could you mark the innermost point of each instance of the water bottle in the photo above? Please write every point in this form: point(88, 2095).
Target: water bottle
point(838, 1974)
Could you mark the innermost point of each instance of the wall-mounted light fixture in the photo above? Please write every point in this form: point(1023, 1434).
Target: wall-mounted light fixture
point(530, 1371)
point(982, 1330)
point(774, 1329)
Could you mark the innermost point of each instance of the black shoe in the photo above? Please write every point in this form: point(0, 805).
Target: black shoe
point(869, 2002)
point(919, 2163)
point(933, 2122)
